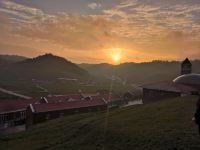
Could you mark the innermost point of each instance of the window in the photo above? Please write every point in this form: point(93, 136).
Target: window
point(22, 115)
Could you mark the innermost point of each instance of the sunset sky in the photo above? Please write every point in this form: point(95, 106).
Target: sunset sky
point(96, 31)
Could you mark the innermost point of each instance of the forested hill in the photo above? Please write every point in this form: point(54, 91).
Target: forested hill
point(42, 67)
point(140, 72)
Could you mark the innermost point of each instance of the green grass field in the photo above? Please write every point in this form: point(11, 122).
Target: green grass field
point(165, 125)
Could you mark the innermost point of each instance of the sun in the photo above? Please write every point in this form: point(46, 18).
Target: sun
point(116, 57)
point(116, 54)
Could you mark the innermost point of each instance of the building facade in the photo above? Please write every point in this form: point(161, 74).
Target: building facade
point(152, 95)
point(13, 112)
point(13, 118)
point(38, 113)
point(165, 90)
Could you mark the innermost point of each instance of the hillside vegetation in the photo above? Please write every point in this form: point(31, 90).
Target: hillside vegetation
point(45, 67)
point(160, 126)
point(140, 73)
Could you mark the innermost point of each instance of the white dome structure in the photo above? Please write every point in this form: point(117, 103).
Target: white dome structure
point(188, 79)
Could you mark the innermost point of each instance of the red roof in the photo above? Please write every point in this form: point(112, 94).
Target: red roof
point(170, 86)
point(67, 105)
point(63, 98)
point(13, 105)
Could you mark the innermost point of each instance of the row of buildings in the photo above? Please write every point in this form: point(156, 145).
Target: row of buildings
point(33, 111)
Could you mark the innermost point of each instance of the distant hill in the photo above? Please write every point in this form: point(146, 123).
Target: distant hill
point(45, 67)
point(140, 73)
point(164, 125)
point(7, 59)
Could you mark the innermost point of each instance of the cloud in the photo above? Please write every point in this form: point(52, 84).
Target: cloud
point(139, 26)
point(18, 7)
point(24, 13)
point(127, 3)
point(94, 5)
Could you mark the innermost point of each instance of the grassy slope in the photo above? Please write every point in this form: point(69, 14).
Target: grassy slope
point(162, 125)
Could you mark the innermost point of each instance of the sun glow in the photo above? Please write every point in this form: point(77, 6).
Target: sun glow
point(116, 54)
point(116, 57)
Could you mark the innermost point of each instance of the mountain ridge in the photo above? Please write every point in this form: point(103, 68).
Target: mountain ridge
point(9, 59)
point(140, 73)
point(46, 66)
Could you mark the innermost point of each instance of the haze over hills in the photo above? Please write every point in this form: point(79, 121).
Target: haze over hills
point(50, 67)
point(8, 59)
point(140, 73)
point(42, 67)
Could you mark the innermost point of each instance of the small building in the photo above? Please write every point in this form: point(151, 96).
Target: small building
point(186, 67)
point(37, 113)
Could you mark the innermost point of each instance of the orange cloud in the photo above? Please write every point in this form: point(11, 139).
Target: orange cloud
point(143, 32)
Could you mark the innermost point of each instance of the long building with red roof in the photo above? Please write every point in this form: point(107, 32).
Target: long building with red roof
point(37, 113)
point(33, 111)
point(13, 112)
